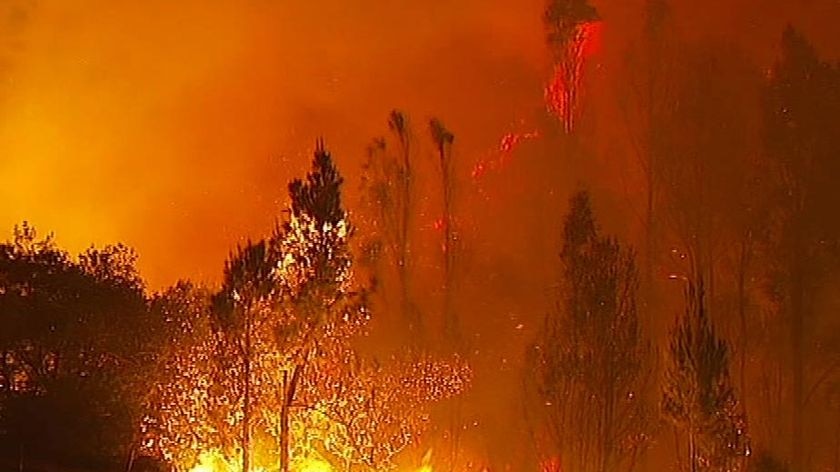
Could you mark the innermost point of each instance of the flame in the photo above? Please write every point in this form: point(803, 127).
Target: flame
point(500, 156)
point(551, 464)
point(562, 94)
point(426, 462)
point(510, 140)
point(214, 461)
point(312, 464)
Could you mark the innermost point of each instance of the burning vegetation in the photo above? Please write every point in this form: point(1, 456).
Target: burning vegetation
point(671, 307)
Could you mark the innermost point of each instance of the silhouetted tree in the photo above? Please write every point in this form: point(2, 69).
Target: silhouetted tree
point(388, 183)
point(592, 363)
point(801, 143)
point(443, 140)
point(697, 394)
point(648, 107)
point(74, 333)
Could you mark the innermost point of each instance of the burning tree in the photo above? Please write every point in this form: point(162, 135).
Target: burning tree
point(569, 25)
point(283, 379)
point(591, 360)
point(378, 409)
point(698, 397)
point(191, 393)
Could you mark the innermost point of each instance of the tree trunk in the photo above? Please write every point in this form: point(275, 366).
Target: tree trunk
point(451, 327)
point(405, 225)
point(743, 263)
point(131, 456)
point(288, 397)
point(246, 391)
point(797, 364)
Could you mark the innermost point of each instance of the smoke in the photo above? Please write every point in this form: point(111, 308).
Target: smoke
point(175, 128)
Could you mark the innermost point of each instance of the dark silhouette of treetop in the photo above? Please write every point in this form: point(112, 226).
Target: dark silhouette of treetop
point(319, 196)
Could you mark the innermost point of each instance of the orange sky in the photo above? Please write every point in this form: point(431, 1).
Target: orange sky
point(175, 129)
point(174, 126)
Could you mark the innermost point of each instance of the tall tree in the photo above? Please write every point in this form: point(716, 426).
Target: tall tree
point(697, 394)
point(567, 23)
point(648, 107)
point(243, 305)
point(389, 185)
point(297, 285)
point(591, 361)
point(285, 375)
point(704, 143)
point(443, 139)
point(801, 143)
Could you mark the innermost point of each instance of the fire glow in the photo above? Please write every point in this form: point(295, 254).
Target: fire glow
point(564, 93)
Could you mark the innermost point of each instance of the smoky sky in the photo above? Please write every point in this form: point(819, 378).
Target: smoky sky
point(174, 126)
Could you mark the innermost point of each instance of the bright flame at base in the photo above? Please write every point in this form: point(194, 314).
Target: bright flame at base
point(426, 463)
point(215, 461)
point(314, 465)
point(212, 461)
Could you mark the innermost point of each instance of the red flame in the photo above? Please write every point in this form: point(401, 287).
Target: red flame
point(562, 94)
point(551, 464)
point(506, 147)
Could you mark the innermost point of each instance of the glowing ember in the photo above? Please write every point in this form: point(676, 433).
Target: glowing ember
point(510, 140)
point(498, 158)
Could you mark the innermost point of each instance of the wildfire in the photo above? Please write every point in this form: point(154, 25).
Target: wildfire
point(499, 157)
point(215, 461)
point(562, 94)
point(426, 463)
point(312, 464)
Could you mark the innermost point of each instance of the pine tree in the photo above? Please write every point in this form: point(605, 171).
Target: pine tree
point(801, 143)
point(698, 396)
point(592, 362)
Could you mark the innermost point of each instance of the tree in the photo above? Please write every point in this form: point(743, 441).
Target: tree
point(648, 107)
point(697, 394)
point(801, 144)
point(242, 306)
point(591, 361)
point(294, 293)
point(443, 140)
point(567, 23)
point(377, 409)
point(389, 185)
point(191, 397)
point(74, 333)
point(274, 372)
